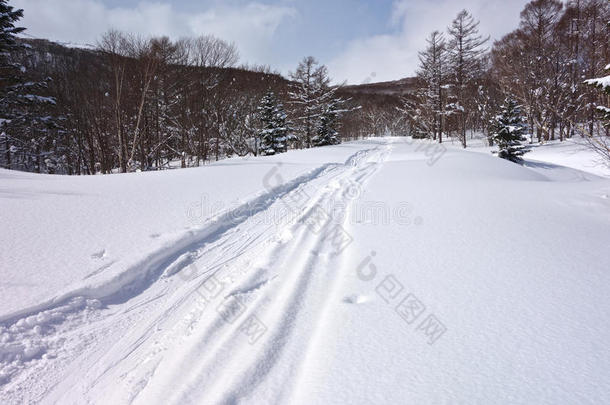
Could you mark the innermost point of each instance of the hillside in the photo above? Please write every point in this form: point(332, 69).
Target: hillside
point(157, 104)
point(400, 87)
point(52, 54)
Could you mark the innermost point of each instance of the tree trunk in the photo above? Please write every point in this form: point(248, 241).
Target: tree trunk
point(8, 152)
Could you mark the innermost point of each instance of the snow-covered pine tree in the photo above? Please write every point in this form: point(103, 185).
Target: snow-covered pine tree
point(8, 17)
point(327, 133)
point(274, 135)
point(9, 72)
point(310, 92)
point(419, 124)
point(508, 130)
point(24, 127)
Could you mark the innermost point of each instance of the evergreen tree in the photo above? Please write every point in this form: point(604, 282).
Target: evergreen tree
point(508, 130)
point(274, 135)
point(24, 123)
point(9, 71)
point(8, 17)
point(327, 133)
point(310, 94)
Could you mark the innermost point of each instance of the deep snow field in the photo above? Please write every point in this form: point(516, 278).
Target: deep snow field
point(380, 271)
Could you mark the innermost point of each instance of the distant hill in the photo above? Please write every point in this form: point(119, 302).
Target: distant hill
point(392, 88)
point(243, 78)
point(211, 112)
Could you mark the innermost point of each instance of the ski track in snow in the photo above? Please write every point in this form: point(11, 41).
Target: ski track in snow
point(154, 314)
point(260, 304)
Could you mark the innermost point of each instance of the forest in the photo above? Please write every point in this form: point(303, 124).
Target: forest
point(133, 103)
point(544, 65)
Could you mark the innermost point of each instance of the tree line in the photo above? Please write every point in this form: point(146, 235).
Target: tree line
point(543, 65)
point(135, 103)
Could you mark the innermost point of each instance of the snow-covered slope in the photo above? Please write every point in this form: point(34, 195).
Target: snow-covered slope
point(63, 233)
point(572, 153)
point(370, 272)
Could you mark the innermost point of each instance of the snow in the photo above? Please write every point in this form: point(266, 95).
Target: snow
point(364, 273)
point(112, 222)
point(39, 99)
point(573, 153)
point(555, 155)
point(603, 109)
point(602, 82)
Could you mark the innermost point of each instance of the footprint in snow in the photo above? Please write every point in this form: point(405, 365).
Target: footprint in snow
point(356, 299)
point(99, 255)
point(99, 270)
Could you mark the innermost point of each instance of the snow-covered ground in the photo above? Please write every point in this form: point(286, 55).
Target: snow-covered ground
point(380, 271)
point(572, 153)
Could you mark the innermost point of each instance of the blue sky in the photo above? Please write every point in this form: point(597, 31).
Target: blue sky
point(359, 40)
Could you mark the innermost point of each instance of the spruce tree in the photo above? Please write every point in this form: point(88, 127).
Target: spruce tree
point(327, 133)
point(9, 71)
point(8, 17)
point(507, 130)
point(24, 123)
point(274, 135)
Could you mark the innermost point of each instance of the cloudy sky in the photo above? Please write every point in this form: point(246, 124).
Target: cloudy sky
point(360, 40)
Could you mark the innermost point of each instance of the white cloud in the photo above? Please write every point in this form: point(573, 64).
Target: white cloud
point(251, 27)
point(378, 58)
point(255, 28)
point(394, 56)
